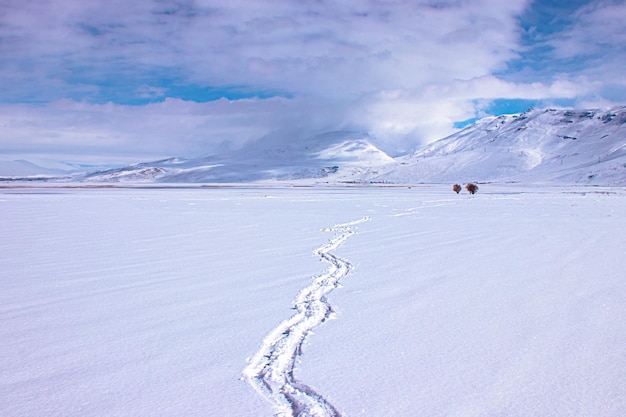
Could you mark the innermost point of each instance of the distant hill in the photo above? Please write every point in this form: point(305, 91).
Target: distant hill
point(270, 158)
point(22, 168)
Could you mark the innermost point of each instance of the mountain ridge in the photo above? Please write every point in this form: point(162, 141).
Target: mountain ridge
point(536, 146)
point(265, 159)
point(552, 146)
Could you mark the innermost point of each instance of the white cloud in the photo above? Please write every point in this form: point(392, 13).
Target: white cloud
point(598, 27)
point(407, 118)
point(331, 49)
point(404, 70)
point(400, 119)
point(587, 45)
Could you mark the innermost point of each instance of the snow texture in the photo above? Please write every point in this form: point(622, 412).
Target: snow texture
point(159, 302)
point(271, 369)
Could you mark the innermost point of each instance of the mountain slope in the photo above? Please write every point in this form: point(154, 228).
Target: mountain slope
point(269, 158)
point(538, 146)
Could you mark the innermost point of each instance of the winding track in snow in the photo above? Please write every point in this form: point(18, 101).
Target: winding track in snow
point(271, 369)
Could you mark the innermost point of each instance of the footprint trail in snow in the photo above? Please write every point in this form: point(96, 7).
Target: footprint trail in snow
point(271, 369)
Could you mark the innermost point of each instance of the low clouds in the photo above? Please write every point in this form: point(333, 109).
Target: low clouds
point(116, 77)
point(172, 127)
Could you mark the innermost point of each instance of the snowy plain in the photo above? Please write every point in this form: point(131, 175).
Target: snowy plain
point(154, 301)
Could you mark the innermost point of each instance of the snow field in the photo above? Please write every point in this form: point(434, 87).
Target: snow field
point(151, 302)
point(494, 305)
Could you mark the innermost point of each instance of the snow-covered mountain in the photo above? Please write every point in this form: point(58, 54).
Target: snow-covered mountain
point(269, 158)
point(538, 146)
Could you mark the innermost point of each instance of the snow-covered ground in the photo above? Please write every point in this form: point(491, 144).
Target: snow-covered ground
point(164, 302)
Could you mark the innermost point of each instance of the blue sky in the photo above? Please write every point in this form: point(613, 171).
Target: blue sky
point(109, 80)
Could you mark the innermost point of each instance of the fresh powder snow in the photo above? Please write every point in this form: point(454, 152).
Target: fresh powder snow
point(166, 301)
